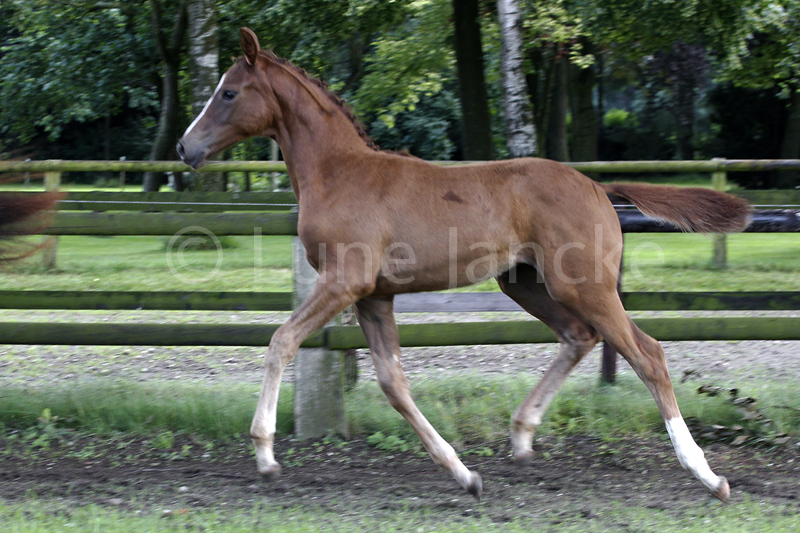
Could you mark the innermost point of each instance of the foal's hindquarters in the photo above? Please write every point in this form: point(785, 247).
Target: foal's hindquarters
point(582, 306)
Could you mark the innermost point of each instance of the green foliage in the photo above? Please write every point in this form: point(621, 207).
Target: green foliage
point(163, 441)
point(67, 66)
point(646, 27)
point(410, 62)
point(768, 55)
point(427, 130)
point(556, 27)
point(390, 443)
point(71, 62)
point(617, 117)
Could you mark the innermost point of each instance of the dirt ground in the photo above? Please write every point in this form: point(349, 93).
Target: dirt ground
point(570, 477)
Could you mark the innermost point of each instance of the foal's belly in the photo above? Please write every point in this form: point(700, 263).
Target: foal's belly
point(418, 275)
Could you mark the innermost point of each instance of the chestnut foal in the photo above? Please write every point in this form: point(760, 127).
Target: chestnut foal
point(376, 224)
point(22, 209)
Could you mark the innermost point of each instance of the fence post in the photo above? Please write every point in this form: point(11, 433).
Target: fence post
point(122, 175)
point(719, 181)
point(273, 156)
point(318, 372)
point(52, 180)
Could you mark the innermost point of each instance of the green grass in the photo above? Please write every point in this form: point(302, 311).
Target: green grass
point(466, 410)
point(746, 516)
point(653, 262)
point(682, 262)
point(145, 263)
point(475, 409)
point(107, 407)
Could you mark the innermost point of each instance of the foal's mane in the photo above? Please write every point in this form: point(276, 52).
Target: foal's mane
point(309, 82)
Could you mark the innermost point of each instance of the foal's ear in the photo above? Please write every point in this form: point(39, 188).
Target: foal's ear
point(250, 45)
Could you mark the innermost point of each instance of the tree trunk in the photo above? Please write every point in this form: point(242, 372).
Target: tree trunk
point(685, 132)
point(164, 144)
point(166, 136)
point(557, 120)
point(520, 132)
point(584, 116)
point(790, 147)
point(107, 142)
point(204, 73)
point(538, 83)
point(599, 67)
point(476, 123)
point(355, 47)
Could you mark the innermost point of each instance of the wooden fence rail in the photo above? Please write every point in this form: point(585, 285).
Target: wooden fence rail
point(348, 337)
point(266, 223)
point(452, 302)
point(285, 223)
point(716, 165)
point(215, 202)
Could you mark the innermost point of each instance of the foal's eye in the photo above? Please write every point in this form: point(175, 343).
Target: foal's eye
point(229, 95)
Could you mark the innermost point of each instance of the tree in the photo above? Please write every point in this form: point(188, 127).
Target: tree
point(769, 58)
point(585, 129)
point(65, 62)
point(555, 35)
point(520, 133)
point(203, 73)
point(679, 73)
point(408, 63)
point(476, 121)
point(670, 44)
point(169, 50)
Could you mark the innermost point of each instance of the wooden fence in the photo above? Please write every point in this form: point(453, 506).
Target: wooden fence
point(103, 213)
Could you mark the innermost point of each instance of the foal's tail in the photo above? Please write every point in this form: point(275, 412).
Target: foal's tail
point(689, 208)
point(17, 218)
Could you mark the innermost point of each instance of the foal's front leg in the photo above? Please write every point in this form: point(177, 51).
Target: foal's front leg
point(324, 302)
point(376, 317)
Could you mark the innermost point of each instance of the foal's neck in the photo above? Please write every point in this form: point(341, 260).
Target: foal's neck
point(315, 139)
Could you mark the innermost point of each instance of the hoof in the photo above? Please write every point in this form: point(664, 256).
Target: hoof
point(273, 473)
point(723, 492)
point(475, 486)
point(523, 459)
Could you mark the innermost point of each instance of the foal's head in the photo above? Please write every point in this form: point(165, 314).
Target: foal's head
point(242, 105)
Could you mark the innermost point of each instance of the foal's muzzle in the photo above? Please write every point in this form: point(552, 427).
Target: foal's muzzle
point(194, 160)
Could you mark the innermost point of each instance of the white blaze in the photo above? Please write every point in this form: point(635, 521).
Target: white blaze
point(203, 112)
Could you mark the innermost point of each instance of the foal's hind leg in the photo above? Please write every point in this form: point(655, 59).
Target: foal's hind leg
point(576, 339)
point(376, 317)
point(605, 312)
point(646, 357)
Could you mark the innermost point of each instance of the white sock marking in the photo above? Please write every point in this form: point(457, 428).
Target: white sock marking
point(690, 456)
point(203, 112)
